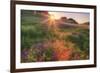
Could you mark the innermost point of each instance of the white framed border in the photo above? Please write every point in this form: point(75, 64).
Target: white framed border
point(20, 65)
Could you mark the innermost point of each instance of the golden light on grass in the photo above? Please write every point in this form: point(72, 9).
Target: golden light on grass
point(51, 21)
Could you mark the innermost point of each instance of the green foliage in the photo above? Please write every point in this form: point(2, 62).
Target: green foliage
point(32, 57)
point(31, 30)
point(81, 39)
point(30, 35)
point(48, 54)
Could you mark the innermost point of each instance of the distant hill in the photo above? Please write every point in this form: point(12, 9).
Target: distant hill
point(70, 20)
point(64, 19)
point(65, 22)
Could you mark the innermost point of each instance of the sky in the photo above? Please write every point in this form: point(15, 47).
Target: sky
point(79, 17)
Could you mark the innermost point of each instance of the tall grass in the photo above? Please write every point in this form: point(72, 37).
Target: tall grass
point(40, 44)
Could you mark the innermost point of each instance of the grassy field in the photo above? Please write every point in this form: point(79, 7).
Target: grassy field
point(48, 42)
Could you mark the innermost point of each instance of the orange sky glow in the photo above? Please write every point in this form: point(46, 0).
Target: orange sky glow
point(79, 17)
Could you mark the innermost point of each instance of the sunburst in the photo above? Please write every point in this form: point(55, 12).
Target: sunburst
point(50, 21)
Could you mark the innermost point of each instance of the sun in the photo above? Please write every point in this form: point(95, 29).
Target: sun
point(50, 21)
point(55, 15)
point(51, 17)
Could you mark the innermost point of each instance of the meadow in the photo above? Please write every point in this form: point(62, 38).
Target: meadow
point(44, 38)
